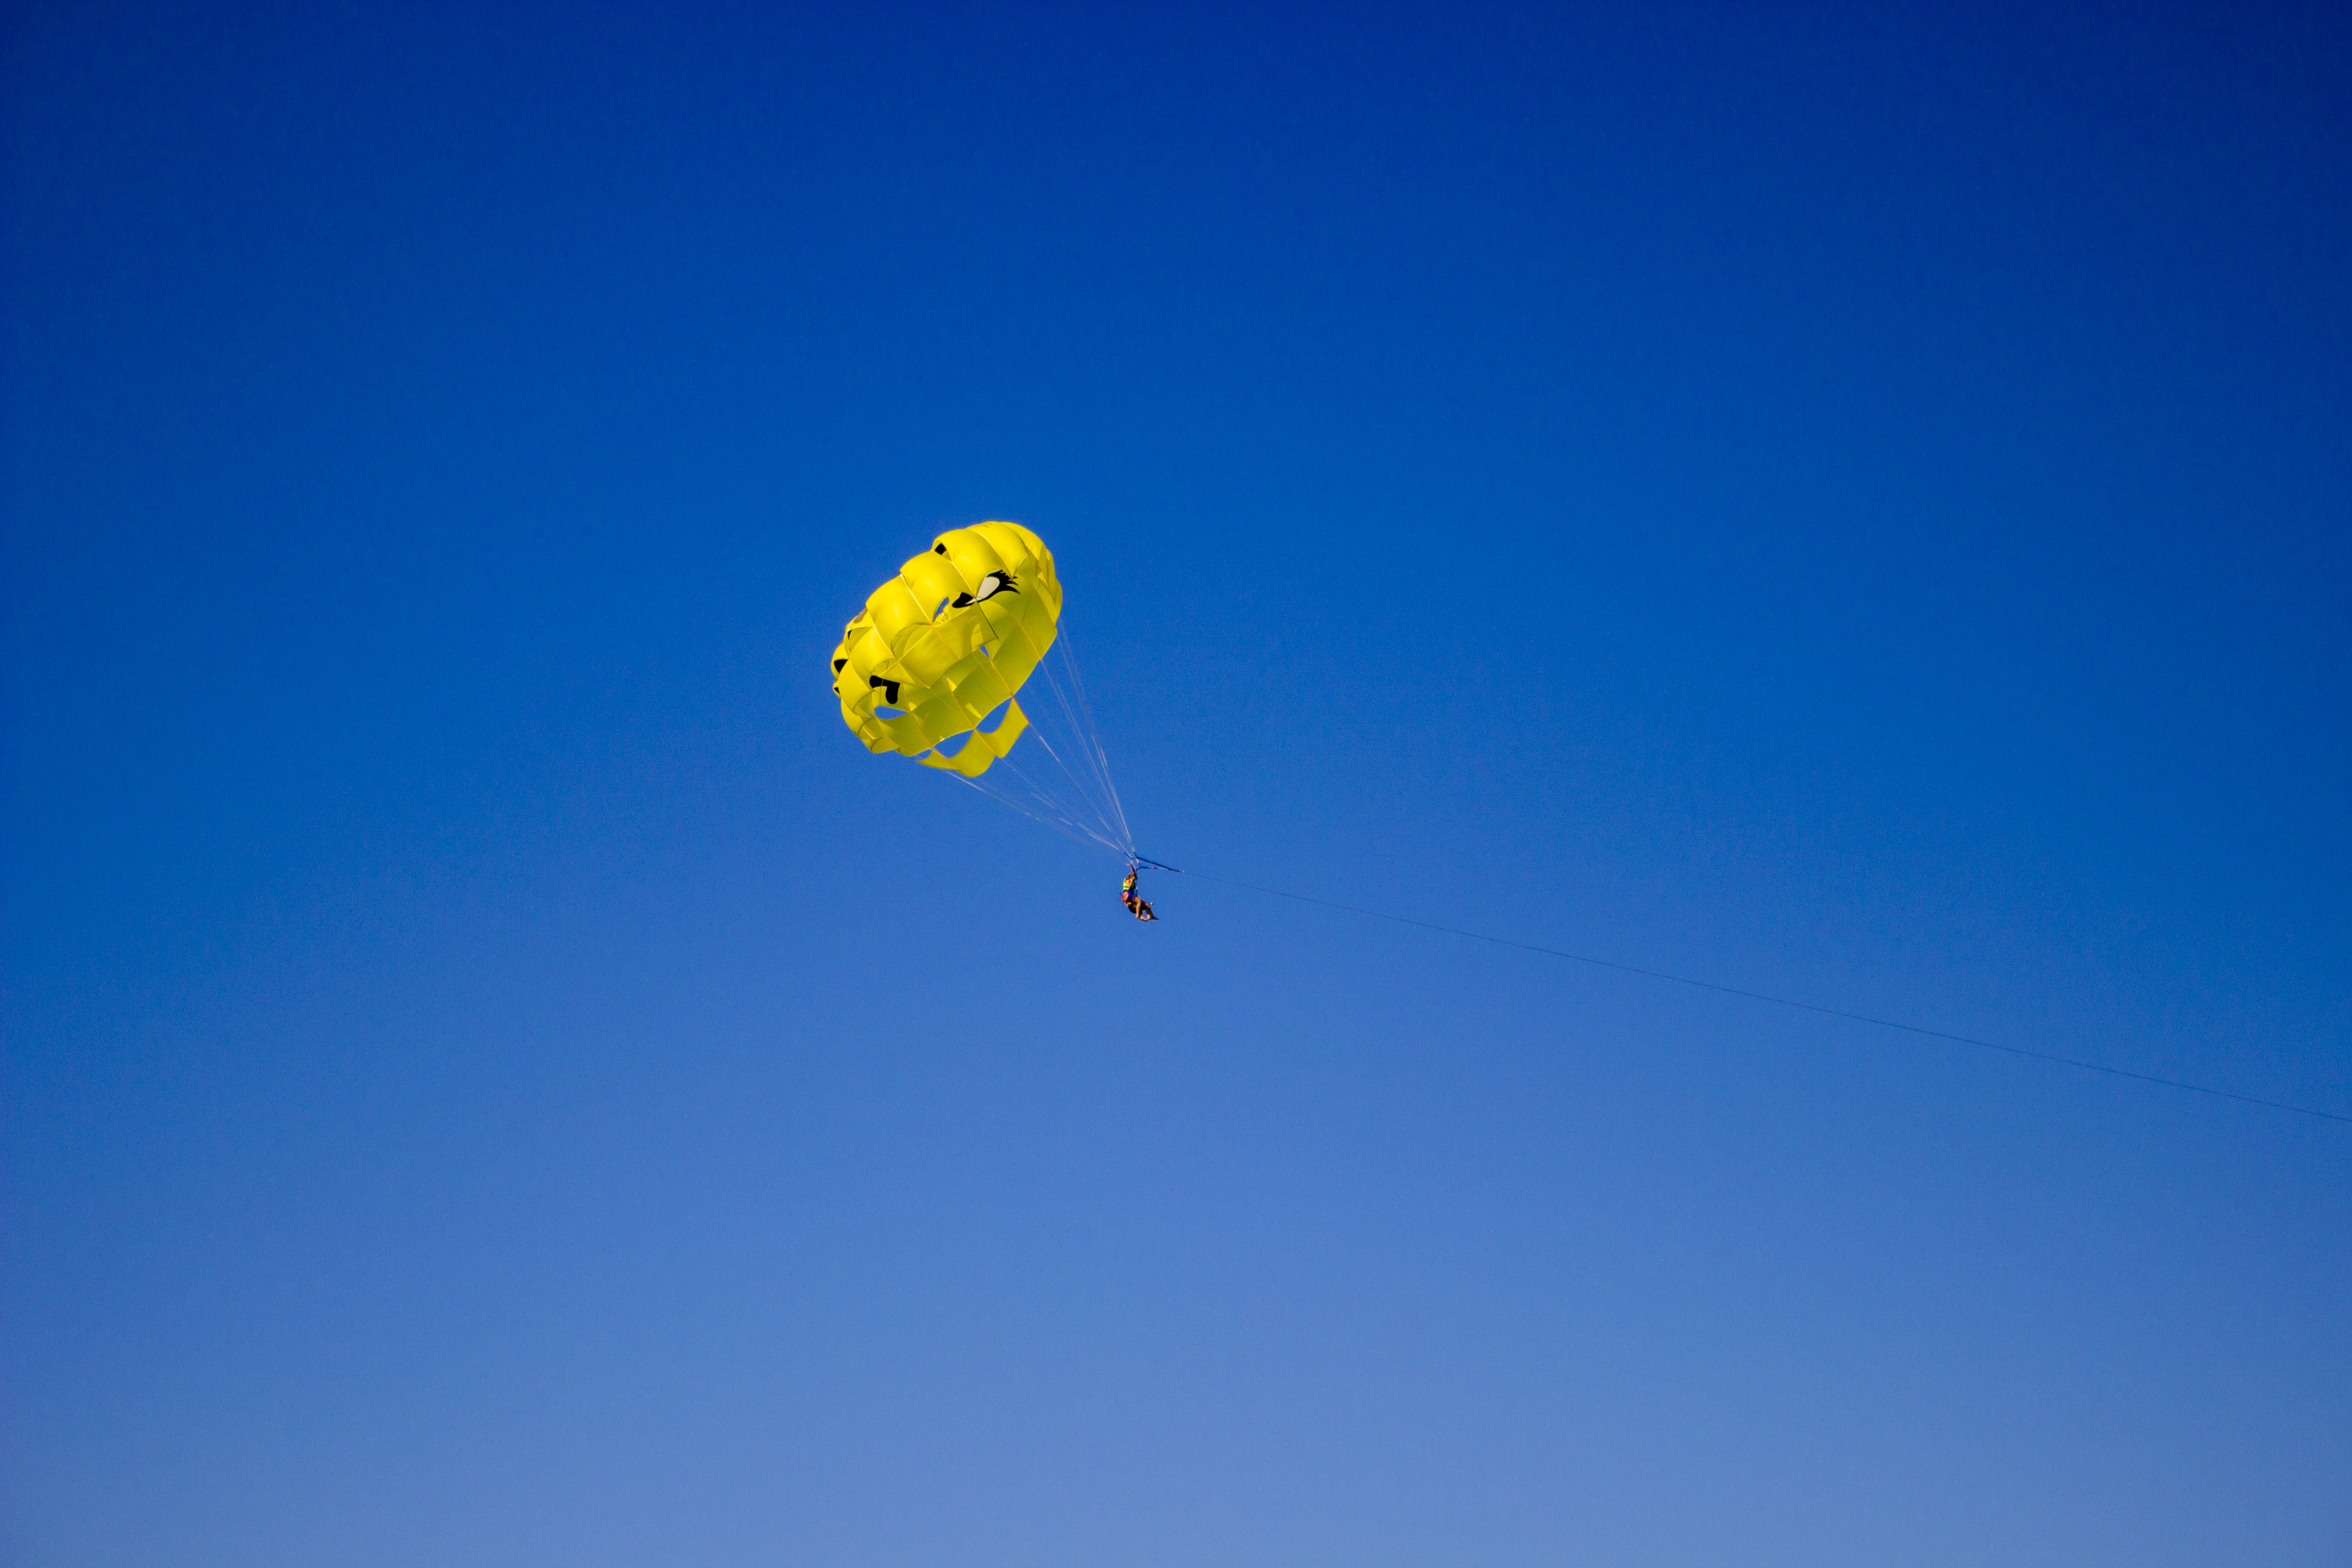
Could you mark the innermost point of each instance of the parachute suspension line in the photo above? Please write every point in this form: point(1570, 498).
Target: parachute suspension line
point(1052, 800)
point(1082, 722)
point(1082, 741)
point(1054, 805)
point(1763, 996)
point(1075, 795)
point(1092, 732)
point(1094, 806)
point(1089, 788)
point(1065, 827)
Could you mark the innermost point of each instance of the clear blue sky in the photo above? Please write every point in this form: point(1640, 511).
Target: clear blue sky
point(1847, 502)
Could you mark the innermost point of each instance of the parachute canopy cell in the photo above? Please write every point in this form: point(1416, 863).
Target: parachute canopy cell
point(945, 644)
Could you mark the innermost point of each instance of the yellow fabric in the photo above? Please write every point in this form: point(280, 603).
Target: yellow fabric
point(946, 667)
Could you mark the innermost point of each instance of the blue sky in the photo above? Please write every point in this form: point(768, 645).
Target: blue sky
point(1846, 504)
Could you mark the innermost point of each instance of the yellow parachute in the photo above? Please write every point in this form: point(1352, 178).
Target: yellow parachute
point(946, 643)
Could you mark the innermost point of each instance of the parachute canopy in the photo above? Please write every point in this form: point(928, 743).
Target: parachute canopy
point(939, 652)
point(946, 643)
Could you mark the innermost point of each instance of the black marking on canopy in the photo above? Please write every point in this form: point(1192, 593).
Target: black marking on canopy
point(995, 583)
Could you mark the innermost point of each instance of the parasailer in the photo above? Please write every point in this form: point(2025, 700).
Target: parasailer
point(1137, 904)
